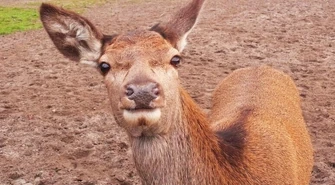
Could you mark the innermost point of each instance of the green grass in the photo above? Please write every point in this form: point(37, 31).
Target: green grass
point(25, 16)
point(18, 19)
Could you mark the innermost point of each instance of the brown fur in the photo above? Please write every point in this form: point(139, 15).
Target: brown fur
point(255, 133)
point(277, 146)
point(232, 140)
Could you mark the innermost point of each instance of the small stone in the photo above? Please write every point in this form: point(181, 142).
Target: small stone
point(15, 175)
point(19, 182)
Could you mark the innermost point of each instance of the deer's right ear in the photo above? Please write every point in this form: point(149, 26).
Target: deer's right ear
point(73, 35)
point(180, 25)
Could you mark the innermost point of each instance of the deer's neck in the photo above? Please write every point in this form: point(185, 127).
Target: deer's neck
point(188, 154)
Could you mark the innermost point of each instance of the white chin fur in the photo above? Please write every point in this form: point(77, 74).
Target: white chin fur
point(133, 117)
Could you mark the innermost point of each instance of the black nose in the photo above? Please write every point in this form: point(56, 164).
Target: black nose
point(142, 94)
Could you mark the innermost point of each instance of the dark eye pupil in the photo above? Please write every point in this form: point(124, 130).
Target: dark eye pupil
point(175, 60)
point(104, 67)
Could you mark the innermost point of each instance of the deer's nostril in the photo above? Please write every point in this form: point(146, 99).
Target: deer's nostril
point(129, 91)
point(155, 91)
point(142, 94)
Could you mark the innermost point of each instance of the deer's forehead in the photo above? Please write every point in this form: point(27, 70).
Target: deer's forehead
point(139, 42)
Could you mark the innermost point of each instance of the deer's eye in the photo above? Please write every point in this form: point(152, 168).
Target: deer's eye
point(175, 61)
point(104, 67)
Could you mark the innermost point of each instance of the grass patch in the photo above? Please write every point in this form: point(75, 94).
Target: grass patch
point(18, 19)
point(25, 17)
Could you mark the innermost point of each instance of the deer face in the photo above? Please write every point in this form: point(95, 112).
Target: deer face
point(139, 67)
point(141, 80)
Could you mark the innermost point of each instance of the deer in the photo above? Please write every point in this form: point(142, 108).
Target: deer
point(254, 133)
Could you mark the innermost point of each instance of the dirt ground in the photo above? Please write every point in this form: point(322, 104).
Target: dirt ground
point(55, 122)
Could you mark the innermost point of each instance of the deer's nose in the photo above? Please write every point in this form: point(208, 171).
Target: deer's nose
point(142, 94)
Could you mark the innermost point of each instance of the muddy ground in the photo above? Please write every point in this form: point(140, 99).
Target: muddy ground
point(55, 122)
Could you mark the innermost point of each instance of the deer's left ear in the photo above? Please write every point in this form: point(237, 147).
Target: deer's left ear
point(73, 35)
point(180, 25)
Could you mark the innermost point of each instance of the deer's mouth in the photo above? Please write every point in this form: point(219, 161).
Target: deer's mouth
point(142, 117)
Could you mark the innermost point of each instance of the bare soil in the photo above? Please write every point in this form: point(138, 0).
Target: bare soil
point(55, 121)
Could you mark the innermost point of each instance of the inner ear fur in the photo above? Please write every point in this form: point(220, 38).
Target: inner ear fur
point(180, 25)
point(73, 35)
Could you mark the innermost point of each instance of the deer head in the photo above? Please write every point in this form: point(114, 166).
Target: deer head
point(139, 67)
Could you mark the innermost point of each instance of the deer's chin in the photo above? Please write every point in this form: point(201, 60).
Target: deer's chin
point(142, 117)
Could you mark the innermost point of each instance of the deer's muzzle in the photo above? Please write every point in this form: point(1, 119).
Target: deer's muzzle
point(142, 96)
point(141, 104)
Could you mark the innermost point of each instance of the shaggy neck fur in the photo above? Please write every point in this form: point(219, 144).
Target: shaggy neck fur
point(189, 154)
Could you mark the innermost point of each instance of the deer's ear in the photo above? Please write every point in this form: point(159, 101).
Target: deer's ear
point(180, 25)
point(73, 35)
